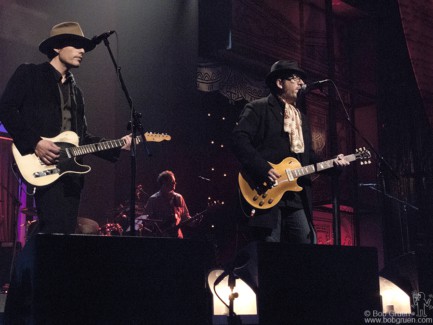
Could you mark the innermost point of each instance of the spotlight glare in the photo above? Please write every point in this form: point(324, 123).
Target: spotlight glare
point(393, 298)
point(245, 302)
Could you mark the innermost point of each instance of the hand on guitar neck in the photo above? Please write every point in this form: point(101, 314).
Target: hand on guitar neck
point(54, 157)
point(128, 140)
point(340, 160)
point(283, 177)
point(49, 153)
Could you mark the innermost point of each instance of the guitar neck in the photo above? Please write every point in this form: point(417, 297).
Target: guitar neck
point(100, 146)
point(194, 217)
point(310, 169)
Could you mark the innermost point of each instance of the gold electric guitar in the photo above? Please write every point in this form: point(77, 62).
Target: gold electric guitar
point(36, 173)
point(264, 196)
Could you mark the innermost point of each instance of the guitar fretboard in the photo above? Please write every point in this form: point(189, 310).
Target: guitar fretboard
point(99, 146)
point(310, 169)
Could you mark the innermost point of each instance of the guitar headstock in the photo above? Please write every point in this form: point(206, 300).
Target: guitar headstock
point(156, 137)
point(364, 155)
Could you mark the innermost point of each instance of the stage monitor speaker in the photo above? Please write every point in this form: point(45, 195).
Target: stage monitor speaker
point(311, 284)
point(86, 279)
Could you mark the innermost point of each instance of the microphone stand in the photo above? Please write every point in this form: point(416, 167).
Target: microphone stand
point(136, 128)
point(404, 232)
point(233, 319)
point(381, 159)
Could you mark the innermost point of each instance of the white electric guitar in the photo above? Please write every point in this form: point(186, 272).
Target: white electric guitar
point(36, 173)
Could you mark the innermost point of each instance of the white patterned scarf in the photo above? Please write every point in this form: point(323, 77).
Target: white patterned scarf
point(293, 126)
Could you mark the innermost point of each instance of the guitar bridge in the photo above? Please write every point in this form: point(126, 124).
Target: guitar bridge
point(47, 172)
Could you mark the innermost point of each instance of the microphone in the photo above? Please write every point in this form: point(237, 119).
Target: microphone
point(366, 184)
point(98, 39)
point(314, 85)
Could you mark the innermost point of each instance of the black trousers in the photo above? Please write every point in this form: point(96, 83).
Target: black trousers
point(58, 204)
point(292, 227)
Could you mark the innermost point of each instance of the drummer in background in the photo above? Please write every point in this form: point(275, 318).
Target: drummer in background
point(168, 206)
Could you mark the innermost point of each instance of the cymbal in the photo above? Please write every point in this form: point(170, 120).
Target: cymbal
point(29, 212)
point(137, 209)
point(124, 208)
point(87, 226)
point(145, 218)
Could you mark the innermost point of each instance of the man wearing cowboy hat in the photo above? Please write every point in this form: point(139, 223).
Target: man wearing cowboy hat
point(269, 130)
point(42, 101)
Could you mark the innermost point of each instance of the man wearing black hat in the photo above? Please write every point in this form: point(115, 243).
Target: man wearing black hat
point(43, 101)
point(271, 129)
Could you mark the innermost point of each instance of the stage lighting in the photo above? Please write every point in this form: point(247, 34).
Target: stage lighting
point(244, 298)
point(394, 299)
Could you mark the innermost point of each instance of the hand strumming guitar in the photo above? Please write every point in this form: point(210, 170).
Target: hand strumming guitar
point(47, 151)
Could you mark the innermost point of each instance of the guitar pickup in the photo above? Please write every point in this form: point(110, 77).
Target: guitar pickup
point(47, 172)
point(290, 175)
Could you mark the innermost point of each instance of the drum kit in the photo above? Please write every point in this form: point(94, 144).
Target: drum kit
point(119, 225)
point(144, 227)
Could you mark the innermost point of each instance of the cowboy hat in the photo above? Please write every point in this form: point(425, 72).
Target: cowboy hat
point(64, 34)
point(283, 68)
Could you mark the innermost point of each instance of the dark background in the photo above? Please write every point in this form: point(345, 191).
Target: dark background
point(156, 49)
point(156, 46)
point(160, 44)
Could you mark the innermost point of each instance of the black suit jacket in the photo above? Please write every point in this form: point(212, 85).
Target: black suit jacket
point(30, 109)
point(259, 138)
